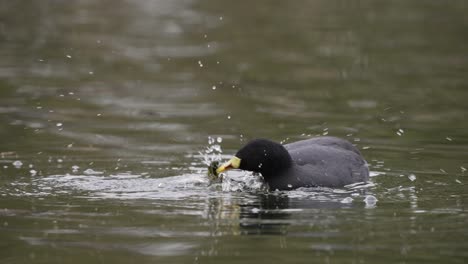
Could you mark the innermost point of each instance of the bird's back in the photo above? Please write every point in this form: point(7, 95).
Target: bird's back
point(323, 141)
point(325, 161)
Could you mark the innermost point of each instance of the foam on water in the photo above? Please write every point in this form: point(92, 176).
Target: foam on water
point(126, 186)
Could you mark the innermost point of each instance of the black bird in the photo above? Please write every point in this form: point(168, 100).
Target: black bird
point(321, 161)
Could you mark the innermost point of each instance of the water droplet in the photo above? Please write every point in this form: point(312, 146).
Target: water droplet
point(219, 139)
point(214, 87)
point(412, 177)
point(216, 148)
point(370, 201)
point(17, 164)
point(200, 64)
point(92, 172)
point(210, 140)
point(400, 132)
point(347, 200)
point(59, 124)
point(59, 160)
point(69, 56)
point(33, 172)
point(75, 168)
point(228, 117)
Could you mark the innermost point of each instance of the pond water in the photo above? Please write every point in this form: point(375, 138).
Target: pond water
point(110, 110)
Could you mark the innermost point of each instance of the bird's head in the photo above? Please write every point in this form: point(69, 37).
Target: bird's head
point(260, 155)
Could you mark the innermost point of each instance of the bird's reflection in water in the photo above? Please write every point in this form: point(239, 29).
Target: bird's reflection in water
point(268, 216)
point(274, 213)
point(267, 213)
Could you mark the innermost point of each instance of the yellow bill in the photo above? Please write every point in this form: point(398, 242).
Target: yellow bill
point(233, 163)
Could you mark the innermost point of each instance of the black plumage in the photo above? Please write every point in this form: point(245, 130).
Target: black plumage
point(321, 161)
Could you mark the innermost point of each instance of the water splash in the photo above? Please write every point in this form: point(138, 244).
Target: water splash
point(213, 152)
point(241, 181)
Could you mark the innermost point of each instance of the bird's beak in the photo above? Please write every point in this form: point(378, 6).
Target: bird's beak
point(233, 163)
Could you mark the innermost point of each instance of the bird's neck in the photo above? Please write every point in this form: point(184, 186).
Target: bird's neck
point(281, 167)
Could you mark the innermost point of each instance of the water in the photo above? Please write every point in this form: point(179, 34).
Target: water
point(106, 110)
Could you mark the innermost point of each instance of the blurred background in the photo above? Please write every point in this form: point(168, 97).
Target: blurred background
point(105, 107)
